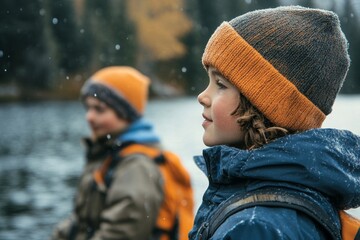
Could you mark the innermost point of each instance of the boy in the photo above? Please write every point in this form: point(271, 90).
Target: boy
point(119, 196)
point(273, 77)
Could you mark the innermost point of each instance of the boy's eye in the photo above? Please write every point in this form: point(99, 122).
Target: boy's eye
point(97, 108)
point(100, 108)
point(220, 84)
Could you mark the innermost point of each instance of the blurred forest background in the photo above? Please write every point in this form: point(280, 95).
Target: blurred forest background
point(48, 48)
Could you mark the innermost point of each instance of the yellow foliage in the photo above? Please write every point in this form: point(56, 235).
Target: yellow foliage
point(159, 25)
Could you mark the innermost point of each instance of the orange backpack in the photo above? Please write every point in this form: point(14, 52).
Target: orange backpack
point(350, 226)
point(176, 216)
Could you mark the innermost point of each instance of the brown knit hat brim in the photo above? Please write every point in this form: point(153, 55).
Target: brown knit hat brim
point(256, 78)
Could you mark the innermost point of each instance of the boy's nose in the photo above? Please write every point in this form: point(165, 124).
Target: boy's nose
point(203, 99)
point(89, 115)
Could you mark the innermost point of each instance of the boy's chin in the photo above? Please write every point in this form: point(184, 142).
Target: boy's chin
point(97, 136)
point(208, 143)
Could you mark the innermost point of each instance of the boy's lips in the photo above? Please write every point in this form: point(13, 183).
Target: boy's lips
point(206, 118)
point(206, 121)
point(94, 127)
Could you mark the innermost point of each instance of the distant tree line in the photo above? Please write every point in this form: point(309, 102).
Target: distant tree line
point(52, 46)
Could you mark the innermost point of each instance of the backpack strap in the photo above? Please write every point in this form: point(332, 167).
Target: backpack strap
point(102, 176)
point(99, 174)
point(270, 198)
point(135, 148)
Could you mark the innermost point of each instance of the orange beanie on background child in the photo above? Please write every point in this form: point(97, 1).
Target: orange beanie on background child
point(123, 88)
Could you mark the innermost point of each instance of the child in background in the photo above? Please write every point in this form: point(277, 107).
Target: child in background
point(129, 207)
point(273, 77)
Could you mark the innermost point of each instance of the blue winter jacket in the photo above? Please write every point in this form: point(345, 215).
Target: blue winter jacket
point(323, 164)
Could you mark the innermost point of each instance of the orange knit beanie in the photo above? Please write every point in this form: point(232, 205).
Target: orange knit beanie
point(289, 62)
point(123, 88)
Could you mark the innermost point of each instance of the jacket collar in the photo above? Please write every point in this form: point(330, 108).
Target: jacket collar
point(326, 160)
point(141, 131)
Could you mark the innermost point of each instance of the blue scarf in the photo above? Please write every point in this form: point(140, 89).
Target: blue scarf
point(140, 131)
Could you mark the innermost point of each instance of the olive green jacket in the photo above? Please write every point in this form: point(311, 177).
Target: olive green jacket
point(127, 209)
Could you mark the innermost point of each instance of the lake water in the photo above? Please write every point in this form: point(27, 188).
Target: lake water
point(41, 156)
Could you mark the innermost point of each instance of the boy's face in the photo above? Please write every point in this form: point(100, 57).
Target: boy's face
point(220, 99)
point(102, 119)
